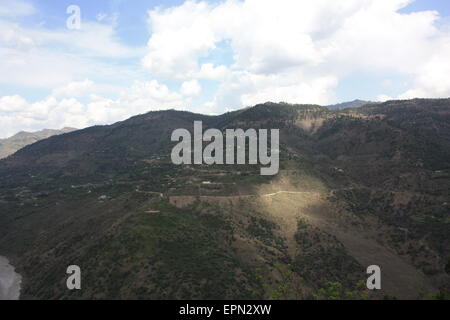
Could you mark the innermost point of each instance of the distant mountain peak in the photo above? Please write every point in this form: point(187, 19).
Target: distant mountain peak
point(350, 104)
point(21, 139)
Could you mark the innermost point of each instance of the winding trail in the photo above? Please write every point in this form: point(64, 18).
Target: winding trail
point(287, 192)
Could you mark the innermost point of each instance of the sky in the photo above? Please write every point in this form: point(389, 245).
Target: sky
point(131, 57)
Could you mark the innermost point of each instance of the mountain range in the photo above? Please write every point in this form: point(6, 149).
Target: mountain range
point(357, 187)
point(10, 145)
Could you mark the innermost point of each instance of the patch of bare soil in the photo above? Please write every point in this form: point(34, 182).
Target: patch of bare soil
point(399, 277)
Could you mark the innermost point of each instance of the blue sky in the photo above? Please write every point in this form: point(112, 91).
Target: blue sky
point(441, 6)
point(130, 57)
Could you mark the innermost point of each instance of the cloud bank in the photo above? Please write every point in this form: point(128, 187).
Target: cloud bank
point(212, 57)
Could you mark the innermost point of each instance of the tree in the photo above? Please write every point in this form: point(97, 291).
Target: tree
point(288, 288)
point(335, 291)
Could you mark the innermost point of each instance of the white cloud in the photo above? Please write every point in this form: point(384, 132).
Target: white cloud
point(383, 98)
point(56, 111)
point(432, 77)
point(179, 39)
point(37, 57)
point(253, 51)
point(191, 88)
point(10, 104)
point(140, 98)
point(145, 96)
point(47, 113)
point(74, 89)
point(318, 90)
point(210, 72)
point(296, 49)
point(16, 8)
